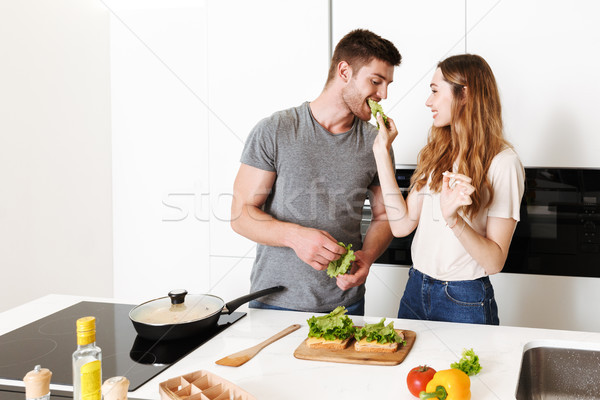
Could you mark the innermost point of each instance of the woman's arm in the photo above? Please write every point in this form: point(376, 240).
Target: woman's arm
point(403, 216)
point(490, 251)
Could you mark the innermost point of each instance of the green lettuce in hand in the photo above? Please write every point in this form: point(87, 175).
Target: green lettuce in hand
point(376, 108)
point(335, 325)
point(380, 333)
point(341, 265)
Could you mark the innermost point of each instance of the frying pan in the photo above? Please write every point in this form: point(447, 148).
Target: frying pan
point(175, 317)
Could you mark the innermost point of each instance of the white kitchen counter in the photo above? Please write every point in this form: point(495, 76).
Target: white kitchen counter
point(275, 374)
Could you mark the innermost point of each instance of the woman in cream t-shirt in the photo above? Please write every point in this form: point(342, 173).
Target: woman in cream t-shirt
point(464, 200)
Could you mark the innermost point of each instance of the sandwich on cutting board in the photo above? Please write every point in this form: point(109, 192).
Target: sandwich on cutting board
point(332, 331)
point(336, 330)
point(378, 338)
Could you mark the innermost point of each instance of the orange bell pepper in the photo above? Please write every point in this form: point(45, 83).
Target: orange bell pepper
point(448, 384)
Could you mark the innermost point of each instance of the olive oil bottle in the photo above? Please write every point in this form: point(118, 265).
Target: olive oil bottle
point(87, 362)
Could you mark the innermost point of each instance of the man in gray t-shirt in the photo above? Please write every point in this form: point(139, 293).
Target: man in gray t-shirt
point(304, 177)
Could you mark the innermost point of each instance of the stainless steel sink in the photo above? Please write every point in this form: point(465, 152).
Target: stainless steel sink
point(555, 370)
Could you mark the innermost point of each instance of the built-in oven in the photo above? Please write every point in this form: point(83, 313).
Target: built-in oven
point(559, 230)
point(398, 252)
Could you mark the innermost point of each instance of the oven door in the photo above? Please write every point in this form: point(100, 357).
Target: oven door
point(398, 252)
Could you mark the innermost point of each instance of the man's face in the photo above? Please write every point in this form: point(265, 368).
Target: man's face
point(369, 82)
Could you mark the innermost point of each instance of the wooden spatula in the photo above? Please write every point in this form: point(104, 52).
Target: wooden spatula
point(241, 357)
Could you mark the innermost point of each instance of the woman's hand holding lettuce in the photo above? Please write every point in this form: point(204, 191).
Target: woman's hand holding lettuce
point(376, 108)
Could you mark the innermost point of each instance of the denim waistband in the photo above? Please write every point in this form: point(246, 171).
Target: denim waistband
point(484, 279)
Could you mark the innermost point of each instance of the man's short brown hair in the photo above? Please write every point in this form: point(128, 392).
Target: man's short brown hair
point(359, 47)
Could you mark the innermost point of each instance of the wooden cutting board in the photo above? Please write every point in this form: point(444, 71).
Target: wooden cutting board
point(351, 356)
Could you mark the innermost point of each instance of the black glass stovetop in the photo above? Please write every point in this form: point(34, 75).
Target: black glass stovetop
point(50, 342)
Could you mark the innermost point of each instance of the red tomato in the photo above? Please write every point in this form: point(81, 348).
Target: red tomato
point(418, 378)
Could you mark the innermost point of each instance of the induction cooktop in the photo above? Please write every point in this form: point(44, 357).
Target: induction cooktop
point(51, 341)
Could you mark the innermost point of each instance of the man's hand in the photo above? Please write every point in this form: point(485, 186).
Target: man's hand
point(316, 247)
point(357, 274)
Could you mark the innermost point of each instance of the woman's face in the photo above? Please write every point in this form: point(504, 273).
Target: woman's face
point(440, 100)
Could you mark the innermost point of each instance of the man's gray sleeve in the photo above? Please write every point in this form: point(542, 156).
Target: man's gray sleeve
point(259, 149)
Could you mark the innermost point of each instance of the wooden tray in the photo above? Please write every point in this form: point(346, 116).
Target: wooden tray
point(201, 385)
point(351, 356)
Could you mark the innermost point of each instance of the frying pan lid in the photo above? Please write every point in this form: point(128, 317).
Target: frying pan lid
point(176, 308)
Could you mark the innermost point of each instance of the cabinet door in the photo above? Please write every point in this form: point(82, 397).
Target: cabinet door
point(544, 56)
point(425, 32)
point(230, 277)
point(385, 287)
point(263, 56)
point(160, 146)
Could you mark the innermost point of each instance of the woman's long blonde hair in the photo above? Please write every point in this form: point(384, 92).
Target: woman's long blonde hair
point(475, 133)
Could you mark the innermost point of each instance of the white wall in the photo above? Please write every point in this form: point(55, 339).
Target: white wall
point(55, 150)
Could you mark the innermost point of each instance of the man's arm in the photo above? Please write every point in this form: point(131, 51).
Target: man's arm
point(250, 191)
point(377, 239)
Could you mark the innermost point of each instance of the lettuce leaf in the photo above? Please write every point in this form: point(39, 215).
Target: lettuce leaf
point(341, 265)
point(376, 108)
point(380, 333)
point(335, 325)
point(469, 363)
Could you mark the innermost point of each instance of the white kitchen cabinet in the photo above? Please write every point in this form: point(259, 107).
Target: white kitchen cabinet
point(160, 146)
point(189, 80)
point(277, 58)
point(229, 277)
point(536, 301)
point(544, 57)
point(546, 301)
point(425, 33)
point(385, 287)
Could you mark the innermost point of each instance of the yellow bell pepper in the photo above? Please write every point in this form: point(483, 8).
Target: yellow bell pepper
point(448, 384)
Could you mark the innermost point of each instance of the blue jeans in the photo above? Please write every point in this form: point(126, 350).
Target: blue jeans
point(426, 298)
point(357, 308)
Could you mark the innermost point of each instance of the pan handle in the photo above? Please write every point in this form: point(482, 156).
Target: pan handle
point(234, 304)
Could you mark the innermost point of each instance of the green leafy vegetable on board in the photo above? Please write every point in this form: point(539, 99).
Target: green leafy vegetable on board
point(335, 325)
point(469, 363)
point(376, 108)
point(341, 265)
point(380, 333)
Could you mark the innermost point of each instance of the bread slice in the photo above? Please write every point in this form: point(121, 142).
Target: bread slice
point(322, 343)
point(374, 347)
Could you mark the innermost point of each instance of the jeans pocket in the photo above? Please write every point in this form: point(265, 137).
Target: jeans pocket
point(466, 293)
